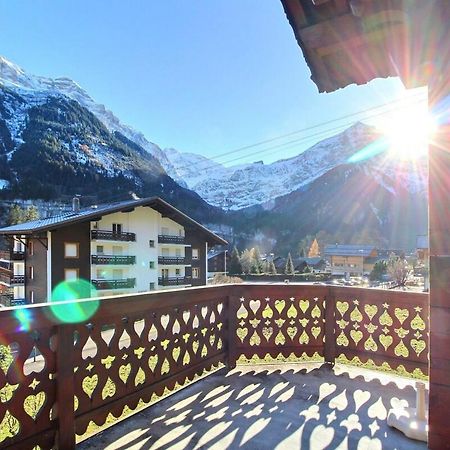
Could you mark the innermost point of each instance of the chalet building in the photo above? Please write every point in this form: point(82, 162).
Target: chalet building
point(351, 260)
point(120, 248)
point(218, 261)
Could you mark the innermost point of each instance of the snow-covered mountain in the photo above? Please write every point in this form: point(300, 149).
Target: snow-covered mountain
point(232, 188)
point(14, 77)
point(237, 187)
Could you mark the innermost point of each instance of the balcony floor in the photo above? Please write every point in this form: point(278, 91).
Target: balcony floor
point(308, 406)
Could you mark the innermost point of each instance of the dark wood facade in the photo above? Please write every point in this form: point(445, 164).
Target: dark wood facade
point(196, 241)
point(77, 233)
point(36, 270)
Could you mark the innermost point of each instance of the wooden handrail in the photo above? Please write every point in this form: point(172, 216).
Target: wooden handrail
point(166, 336)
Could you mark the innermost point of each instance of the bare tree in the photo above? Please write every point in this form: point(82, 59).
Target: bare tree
point(399, 270)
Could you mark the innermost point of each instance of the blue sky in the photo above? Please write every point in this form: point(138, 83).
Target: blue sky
point(200, 76)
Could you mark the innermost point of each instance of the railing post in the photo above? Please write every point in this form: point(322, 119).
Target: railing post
point(233, 306)
point(330, 321)
point(65, 388)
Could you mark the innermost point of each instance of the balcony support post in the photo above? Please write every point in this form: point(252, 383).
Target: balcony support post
point(234, 295)
point(65, 387)
point(439, 233)
point(330, 325)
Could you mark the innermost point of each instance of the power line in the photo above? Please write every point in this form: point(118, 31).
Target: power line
point(305, 129)
point(314, 136)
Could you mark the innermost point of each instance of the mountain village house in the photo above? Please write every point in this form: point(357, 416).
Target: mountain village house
point(120, 248)
point(351, 260)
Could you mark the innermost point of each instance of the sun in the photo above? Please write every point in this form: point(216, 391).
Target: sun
point(408, 131)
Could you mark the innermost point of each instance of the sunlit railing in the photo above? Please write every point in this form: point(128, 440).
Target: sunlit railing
point(57, 379)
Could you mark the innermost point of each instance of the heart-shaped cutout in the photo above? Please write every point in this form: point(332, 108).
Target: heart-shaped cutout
point(267, 312)
point(386, 340)
point(124, 372)
point(370, 310)
point(165, 320)
point(401, 314)
point(342, 307)
point(254, 305)
point(34, 404)
point(267, 332)
point(89, 384)
point(304, 305)
point(356, 335)
point(418, 346)
point(242, 333)
point(316, 331)
point(280, 305)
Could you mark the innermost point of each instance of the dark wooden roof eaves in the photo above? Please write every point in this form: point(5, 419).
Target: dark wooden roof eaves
point(338, 69)
point(71, 218)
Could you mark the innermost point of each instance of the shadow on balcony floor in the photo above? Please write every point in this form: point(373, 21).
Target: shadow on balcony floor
point(271, 407)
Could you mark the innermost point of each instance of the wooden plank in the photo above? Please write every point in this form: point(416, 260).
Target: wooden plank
point(330, 328)
point(65, 388)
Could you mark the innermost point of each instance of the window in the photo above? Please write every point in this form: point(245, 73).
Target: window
point(178, 252)
point(151, 264)
point(165, 273)
point(117, 250)
point(71, 249)
point(177, 272)
point(70, 274)
point(31, 272)
point(195, 253)
point(100, 249)
point(165, 251)
point(117, 228)
point(151, 243)
point(195, 272)
point(31, 248)
point(117, 274)
point(151, 286)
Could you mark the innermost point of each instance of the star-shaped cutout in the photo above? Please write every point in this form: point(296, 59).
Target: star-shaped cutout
point(242, 299)
point(34, 384)
point(417, 335)
point(292, 299)
point(374, 427)
point(89, 367)
point(385, 330)
point(331, 417)
point(355, 326)
point(386, 305)
point(267, 299)
point(356, 302)
point(418, 309)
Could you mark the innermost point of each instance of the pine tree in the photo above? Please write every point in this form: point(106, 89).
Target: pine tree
point(289, 269)
point(266, 266)
point(235, 263)
point(257, 263)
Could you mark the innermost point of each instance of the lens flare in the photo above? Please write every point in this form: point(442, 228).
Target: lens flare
point(73, 311)
point(369, 151)
point(23, 316)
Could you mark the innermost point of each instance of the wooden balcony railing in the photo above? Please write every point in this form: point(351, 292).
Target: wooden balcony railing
point(134, 349)
point(169, 239)
point(111, 236)
point(126, 283)
point(174, 281)
point(113, 260)
point(173, 261)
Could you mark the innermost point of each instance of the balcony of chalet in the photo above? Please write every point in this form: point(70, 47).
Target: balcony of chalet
point(236, 366)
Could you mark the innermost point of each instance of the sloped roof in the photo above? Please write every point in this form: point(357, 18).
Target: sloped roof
point(349, 41)
point(348, 250)
point(96, 212)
